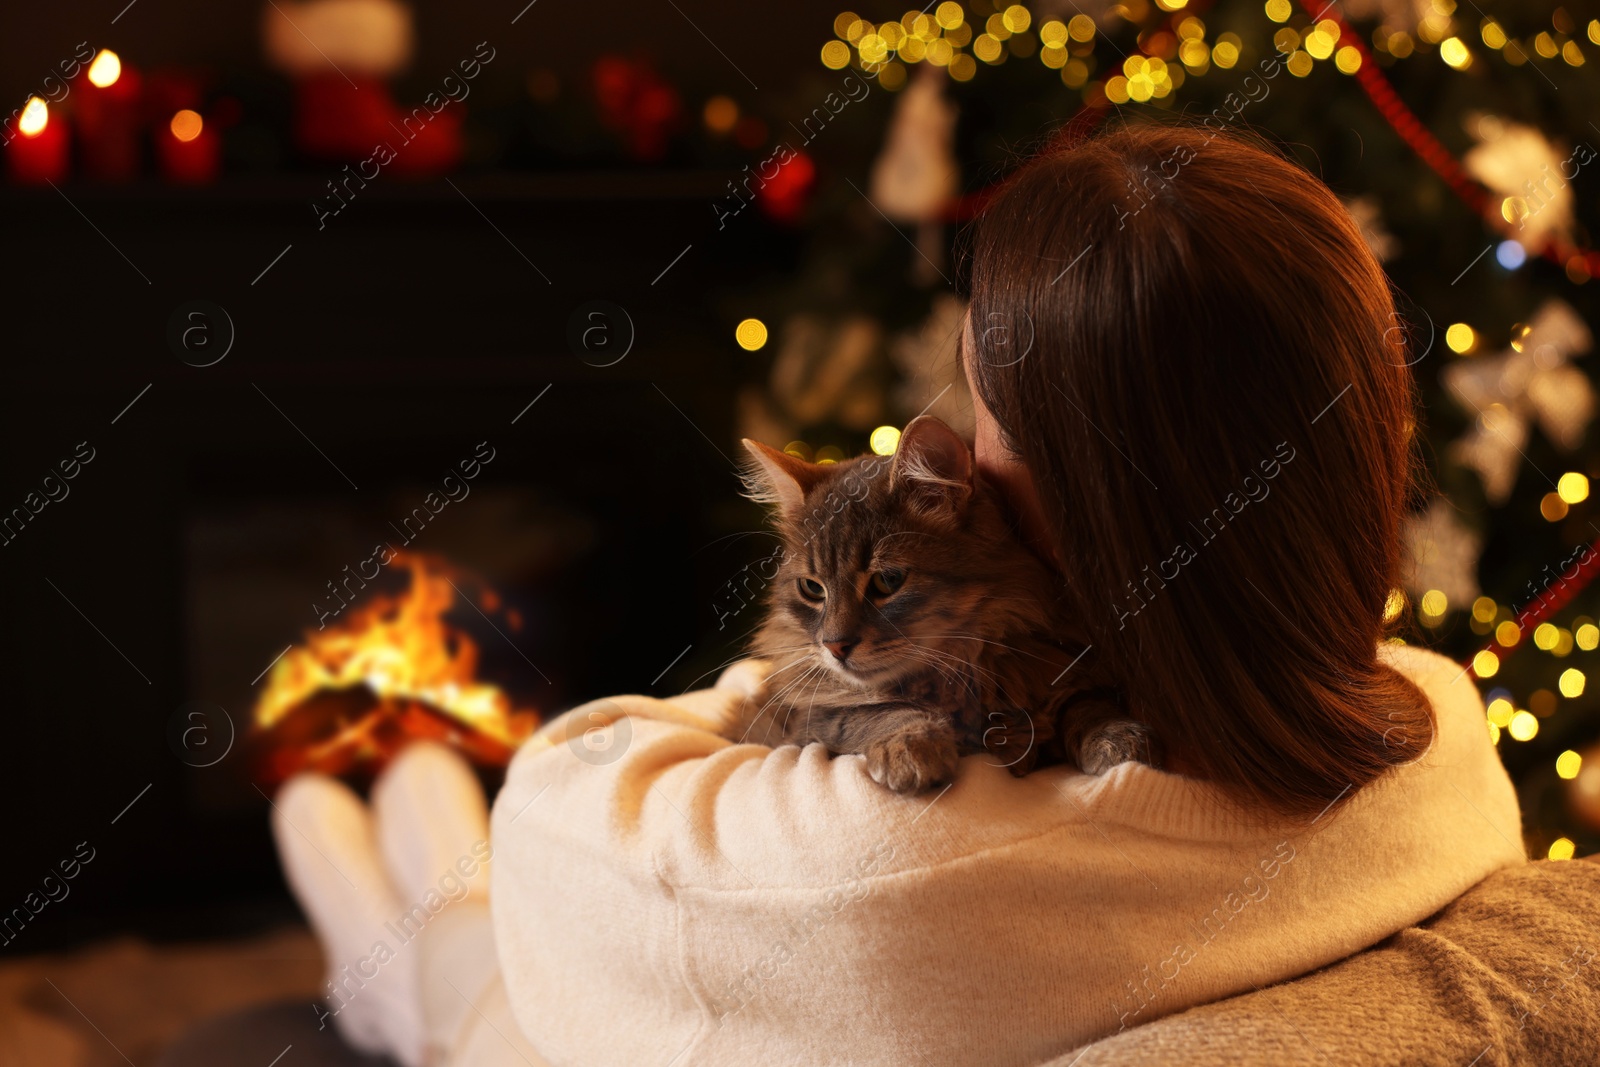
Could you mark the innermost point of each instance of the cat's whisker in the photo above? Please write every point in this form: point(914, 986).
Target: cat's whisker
point(991, 641)
point(737, 657)
point(937, 658)
point(788, 686)
point(812, 672)
point(735, 536)
point(951, 673)
point(784, 729)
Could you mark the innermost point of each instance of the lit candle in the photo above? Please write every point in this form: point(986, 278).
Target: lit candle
point(188, 151)
point(37, 152)
point(108, 118)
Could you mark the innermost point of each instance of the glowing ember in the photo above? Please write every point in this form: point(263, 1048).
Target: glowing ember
point(403, 650)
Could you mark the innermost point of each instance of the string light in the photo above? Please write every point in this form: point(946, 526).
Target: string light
point(1485, 664)
point(1571, 683)
point(751, 334)
point(1454, 52)
point(884, 440)
point(1568, 764)
point(1561, 849)
point(1510, 254)
point(1524, 726)
point(186, 125)
point(35, 117)
point(1500, 711)
point(722, 114)
point(1573, 487)
point(105, 70)
point(1318, 44)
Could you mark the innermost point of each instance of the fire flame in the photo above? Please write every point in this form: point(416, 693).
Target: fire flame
point(401, 648)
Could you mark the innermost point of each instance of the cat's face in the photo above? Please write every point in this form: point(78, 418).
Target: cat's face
point(891, 567)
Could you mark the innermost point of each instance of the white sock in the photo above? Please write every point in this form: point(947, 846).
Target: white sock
point(330, 857)
point(433, 827)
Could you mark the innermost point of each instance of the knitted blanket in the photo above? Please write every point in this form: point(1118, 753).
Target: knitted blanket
point(1507, 974)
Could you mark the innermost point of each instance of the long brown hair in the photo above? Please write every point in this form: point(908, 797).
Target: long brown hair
point(1185, 339)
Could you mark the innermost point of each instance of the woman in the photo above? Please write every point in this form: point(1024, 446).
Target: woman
point(1192, 388)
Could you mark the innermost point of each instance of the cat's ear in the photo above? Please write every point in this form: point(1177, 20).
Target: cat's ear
point(933, 467)
point(773, 477)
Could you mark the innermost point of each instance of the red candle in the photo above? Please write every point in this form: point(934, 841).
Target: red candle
point(37, 152)
point(108, 119)
point(188, 151)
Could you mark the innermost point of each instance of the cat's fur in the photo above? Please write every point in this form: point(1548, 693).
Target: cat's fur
point(965, 655)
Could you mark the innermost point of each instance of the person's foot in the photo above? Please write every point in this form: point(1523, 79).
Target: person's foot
point(329, 851)
point(433, 826)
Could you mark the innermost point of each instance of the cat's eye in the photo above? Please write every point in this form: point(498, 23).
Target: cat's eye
point(811, 589)
point(886, 582)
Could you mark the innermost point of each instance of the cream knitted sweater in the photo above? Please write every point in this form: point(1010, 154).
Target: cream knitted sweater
point(663, 896)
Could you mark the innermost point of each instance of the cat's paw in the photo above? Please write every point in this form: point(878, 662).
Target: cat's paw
point(1111, 743)
point(911, 764)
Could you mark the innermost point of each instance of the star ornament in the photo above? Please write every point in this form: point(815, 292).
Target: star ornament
point(1533, 382)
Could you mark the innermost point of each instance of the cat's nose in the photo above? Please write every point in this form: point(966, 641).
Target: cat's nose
point(840, 649)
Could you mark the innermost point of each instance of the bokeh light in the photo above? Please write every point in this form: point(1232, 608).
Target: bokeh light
point(105, 70)
point(884, 440)
point(186, 125)
point(751, 334)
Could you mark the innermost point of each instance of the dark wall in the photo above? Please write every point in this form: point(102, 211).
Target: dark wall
point(367, 361)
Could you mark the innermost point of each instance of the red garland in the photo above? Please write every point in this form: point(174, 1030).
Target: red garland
point(1556, 596)
point(1404, 122)
point(1379, 90)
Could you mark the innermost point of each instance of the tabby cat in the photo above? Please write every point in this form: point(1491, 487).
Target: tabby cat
point(907, 623)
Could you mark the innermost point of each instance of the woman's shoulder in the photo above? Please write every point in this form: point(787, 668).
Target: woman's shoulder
point(1421, 665)
point(1460, 722)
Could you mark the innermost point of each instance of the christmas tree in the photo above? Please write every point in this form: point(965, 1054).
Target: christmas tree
point(1460, 142)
